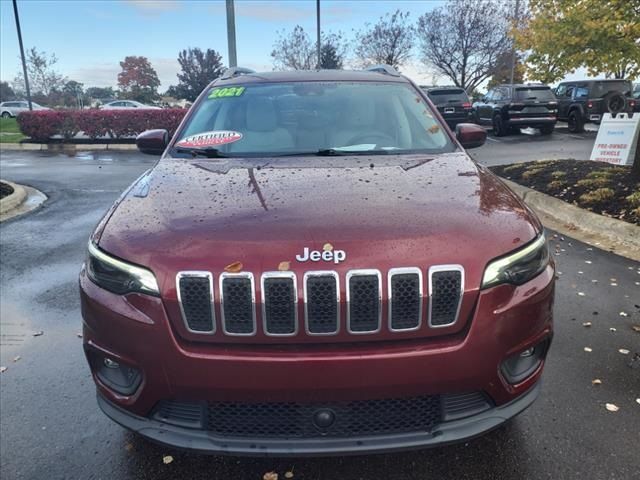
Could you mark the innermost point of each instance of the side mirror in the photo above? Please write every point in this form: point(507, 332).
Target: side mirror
point(152, 142)
point(470, 135)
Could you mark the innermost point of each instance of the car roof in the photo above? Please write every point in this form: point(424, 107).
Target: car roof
point(524, 85)
point(311, 76)
point(443, 87)
point(595, 81)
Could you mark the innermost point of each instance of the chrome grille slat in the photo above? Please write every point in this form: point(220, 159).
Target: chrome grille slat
point(322, 302)
point(237, 304)
point(195, 297)
point(405, 299)
point(446, 289)
point(279, 303)
point(364, 301)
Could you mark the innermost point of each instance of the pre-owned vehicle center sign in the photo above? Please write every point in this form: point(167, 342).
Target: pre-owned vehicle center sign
point(617, 139)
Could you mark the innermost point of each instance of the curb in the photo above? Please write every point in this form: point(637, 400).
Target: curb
point(597, 230)
point(65, 147)
point(24, 199)
point(14, 200)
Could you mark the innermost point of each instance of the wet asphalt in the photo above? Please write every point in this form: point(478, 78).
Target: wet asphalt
point(51, 428)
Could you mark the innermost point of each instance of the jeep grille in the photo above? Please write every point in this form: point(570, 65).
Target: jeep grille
point(281, 307)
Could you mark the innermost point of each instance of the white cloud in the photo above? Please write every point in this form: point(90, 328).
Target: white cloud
point(153, 7)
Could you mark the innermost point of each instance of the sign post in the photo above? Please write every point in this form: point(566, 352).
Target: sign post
point(617, 139)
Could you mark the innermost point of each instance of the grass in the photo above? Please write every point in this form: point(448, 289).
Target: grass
point(9, 131)
point(597, 196)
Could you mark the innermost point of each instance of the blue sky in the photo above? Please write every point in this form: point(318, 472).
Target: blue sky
point(90, 37)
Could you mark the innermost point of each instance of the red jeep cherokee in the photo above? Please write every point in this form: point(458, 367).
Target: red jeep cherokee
point(315, 266)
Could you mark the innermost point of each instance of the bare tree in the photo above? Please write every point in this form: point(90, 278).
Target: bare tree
point(296, 51)
point(465, 40)
point(43, 78)
point(389, 41)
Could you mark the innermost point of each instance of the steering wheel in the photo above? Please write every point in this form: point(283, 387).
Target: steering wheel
point(378, 138)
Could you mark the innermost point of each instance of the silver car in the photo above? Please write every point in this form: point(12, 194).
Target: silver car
point(127, 104)
point(11, 109)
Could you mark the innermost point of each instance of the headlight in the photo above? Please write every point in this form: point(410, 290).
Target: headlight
point(117, 276)
point(518, 267)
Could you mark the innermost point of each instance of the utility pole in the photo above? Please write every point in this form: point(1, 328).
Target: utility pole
point(318, 30)
point(513, 48)
point(231, 34)
point(24, 62)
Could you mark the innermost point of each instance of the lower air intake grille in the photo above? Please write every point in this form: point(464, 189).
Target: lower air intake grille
point(322, 304)
point(184, 414)
point(238, 311)
point(406, 301)
point(279, 306)
point(196, 302)
point(446, 289)
point(293, 420)
point(364, 303)
point(461, 405)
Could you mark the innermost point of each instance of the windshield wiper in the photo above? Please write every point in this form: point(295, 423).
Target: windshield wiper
point(209, 152)
point(334, 152)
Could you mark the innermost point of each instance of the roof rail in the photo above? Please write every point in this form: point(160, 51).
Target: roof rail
point(384, 69)
point(235, 71)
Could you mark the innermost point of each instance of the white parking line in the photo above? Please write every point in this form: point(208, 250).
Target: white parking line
point(494, 140)
point(577, 136)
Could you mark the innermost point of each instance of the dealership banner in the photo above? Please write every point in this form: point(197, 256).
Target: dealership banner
point(617, 139)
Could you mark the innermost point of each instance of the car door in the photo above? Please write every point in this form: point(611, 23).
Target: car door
point(485, 108)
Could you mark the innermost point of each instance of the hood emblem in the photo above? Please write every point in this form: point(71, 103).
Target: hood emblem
point(328, 254)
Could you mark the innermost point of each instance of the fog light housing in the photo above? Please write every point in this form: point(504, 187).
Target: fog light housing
point(518, 367)
point(120, 378)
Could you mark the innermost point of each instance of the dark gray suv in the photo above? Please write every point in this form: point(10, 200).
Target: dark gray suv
point(585, 101)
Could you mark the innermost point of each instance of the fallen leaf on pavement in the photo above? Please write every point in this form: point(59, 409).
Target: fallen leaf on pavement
point(596, 381)
point(79, 335)
point(3, 369)
point(612, 407)
point(624, 351)
point(581, 294)
point(167, 459)
point(38, 333)
point(270, 476)
point(588, 349)
point(588, 262)
point(586, 324)
point(128, 447)
point(612, 329)
point(624, 314)
point(16, 358)
point(638, 401)
point(288, 474)
point(636, 328)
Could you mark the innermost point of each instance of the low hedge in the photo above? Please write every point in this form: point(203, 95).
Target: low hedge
point(43, 124)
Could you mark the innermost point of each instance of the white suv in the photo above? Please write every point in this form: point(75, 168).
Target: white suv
point(11, 109)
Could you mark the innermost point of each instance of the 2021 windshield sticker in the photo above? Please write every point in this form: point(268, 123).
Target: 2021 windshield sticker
point(226, 92)
point(210, 139)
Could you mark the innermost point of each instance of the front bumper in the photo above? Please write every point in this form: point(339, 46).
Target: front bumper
point(204, 442)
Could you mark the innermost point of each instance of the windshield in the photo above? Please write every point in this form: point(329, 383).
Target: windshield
point(532, 93)
point(308, 117)
point(454, 95)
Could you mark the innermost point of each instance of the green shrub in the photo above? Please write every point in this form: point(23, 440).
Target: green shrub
point(594, 182)
point(634, 199)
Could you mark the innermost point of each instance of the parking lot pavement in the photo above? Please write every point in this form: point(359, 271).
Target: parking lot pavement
point(530, 145)
point(51, 427)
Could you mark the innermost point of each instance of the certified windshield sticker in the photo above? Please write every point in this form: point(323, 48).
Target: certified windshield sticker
point(210, 139)
point(226, 92)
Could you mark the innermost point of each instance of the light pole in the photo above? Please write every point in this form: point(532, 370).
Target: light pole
point(318, 31)
point(24, 63)
point(513, 48)
point(231, 34)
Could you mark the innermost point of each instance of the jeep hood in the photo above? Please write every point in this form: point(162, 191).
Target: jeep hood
point(383, 211)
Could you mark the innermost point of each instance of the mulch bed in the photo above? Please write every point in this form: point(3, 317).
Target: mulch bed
point(596, 186)
point(5, 190)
